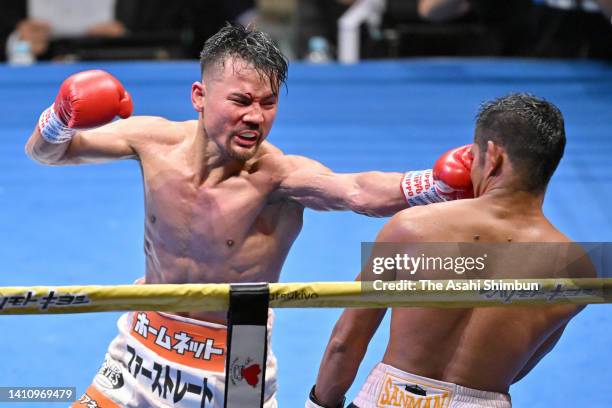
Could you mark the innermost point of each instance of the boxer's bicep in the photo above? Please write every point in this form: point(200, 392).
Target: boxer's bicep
point(121, 139)
point(105, 143)
point(313, 185)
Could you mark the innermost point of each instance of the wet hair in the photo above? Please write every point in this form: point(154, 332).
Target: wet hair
point(532, 132)
point(254, 47)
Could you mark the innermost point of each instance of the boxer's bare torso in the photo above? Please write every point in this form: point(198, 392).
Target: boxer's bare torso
point(482, 348)
point(220, 228)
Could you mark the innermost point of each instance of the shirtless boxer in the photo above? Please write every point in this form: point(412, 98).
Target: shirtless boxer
point(468, 357)
point(221, 204)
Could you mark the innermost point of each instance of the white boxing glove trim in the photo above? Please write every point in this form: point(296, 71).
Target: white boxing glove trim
point(419, 188)
point(52, 129)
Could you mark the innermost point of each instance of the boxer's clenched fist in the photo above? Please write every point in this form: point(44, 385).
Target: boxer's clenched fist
point(85, 100)
point(449, 179)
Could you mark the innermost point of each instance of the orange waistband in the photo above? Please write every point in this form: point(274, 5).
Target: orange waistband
point(181, 340)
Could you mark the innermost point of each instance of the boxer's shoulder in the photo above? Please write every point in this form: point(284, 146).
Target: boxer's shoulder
point(147, 131)
point(159, 129)
point(268, 159)
point(429, 222)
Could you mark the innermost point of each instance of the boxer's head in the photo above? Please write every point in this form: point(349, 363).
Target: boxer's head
point(520, 133)
point(242, 72)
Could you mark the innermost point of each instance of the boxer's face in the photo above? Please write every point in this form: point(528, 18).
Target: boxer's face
point(238, 107)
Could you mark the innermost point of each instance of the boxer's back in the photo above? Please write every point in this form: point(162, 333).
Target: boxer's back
point(481, 348)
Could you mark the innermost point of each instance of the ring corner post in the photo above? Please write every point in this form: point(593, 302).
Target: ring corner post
point(247, 346)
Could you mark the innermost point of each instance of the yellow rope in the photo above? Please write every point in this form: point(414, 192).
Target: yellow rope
point(210, 297)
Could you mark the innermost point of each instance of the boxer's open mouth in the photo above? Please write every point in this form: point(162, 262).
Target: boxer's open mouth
point(247, 139)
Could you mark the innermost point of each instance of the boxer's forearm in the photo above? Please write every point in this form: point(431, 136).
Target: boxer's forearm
point(345, 350)
point(41, 151)
point(338, 370)
point(377, 194)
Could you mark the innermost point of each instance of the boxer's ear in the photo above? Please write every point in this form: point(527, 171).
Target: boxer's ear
point(197, 96)
point(494, 158)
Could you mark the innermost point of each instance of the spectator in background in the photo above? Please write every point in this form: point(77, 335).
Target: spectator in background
point(208, 16)
point(316, 18)
point(551, 28)
point(574, 29)
point(509, 24)
point(38, 22)
point(426, 27)
point(116, 27)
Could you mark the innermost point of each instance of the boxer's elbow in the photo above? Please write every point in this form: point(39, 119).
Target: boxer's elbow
point(34, 154)
point(345, 341)
point(46, 153)
point(54, 158)
point(337, 346)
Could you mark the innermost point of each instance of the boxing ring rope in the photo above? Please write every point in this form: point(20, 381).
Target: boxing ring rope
point(247, 305)
point(215, 297)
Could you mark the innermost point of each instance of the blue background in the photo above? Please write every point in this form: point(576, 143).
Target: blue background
point(84, 225)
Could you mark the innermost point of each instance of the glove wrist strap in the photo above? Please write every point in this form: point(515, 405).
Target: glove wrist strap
point(313, 402)
point(419, 188)
point(52, 129)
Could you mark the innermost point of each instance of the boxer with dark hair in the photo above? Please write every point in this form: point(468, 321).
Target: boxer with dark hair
point(221, 204)
point(468, 357)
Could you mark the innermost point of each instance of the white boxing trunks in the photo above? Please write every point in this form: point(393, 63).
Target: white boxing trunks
point(164, 360)
point(386, 386)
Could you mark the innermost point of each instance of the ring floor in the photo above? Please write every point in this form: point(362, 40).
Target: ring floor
point(84, 225)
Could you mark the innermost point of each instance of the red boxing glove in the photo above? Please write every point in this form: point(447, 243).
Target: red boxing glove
point(86, 99)
point(451, 173)
point(449, 179)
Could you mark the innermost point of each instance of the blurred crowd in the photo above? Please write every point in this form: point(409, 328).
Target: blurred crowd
point(36, 30)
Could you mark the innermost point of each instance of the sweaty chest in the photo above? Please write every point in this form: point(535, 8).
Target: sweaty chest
point(188, 219)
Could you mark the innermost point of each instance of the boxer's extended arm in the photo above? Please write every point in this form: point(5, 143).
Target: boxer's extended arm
point(350, 337)
point(315, 186)
point(87, 99)
point(114, 141)
point(374, 193)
